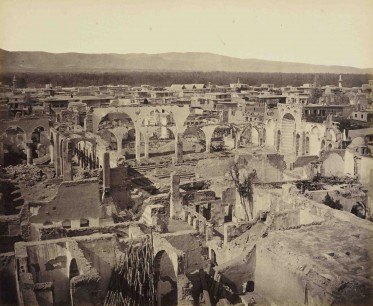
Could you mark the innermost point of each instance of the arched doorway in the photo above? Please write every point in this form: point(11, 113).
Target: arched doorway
point(287, 133)
point(73, 270)
point(166, 279)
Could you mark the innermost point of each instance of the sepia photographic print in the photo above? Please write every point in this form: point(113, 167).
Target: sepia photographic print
point(193, 153)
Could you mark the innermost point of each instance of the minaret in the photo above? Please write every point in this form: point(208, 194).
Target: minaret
point(340, 81)
point(14, 82)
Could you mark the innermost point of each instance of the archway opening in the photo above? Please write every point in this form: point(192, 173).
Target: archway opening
point(194, 140)
point(73, 270)
point(166, 279)
point(287, 131)
point(161, 142)
point(218, 136)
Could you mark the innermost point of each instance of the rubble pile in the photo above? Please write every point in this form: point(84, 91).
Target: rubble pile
point(26, 174)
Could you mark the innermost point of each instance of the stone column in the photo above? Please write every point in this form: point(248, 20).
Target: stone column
point(138, 145)
point(67, 158)
point(208, 232)
point(106, 171)
point(195, 224)
point(237, 139)
point(29, 152)
point(175, 200)
point(202, 227)
point(88, 123)
point(190, 219)
point(56, 152)
point(1, 153)
point(51, 151)
point(178, 148)
point(146, 142)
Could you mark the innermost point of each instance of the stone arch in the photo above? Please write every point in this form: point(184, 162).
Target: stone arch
point(166, 276)
point(209, 131)
point(73, 269)
point(115, 119)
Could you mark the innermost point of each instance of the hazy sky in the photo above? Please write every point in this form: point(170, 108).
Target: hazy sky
point(331, 32)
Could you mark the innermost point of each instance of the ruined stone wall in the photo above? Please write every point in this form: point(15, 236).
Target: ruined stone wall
point(119, 188)
point(333, 165)
point(100, 252)
point(347, 198)
point(49, 262)
point(238, 272)
point(68, 205)
point(187, 243)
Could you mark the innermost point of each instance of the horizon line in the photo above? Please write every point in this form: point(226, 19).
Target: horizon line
point(188, 52)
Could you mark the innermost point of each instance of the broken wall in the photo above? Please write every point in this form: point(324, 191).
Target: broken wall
point(68, 205)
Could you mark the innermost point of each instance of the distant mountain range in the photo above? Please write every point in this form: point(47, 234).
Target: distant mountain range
point(22, 61)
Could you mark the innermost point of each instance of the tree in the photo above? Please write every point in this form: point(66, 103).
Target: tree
point(245, 189)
